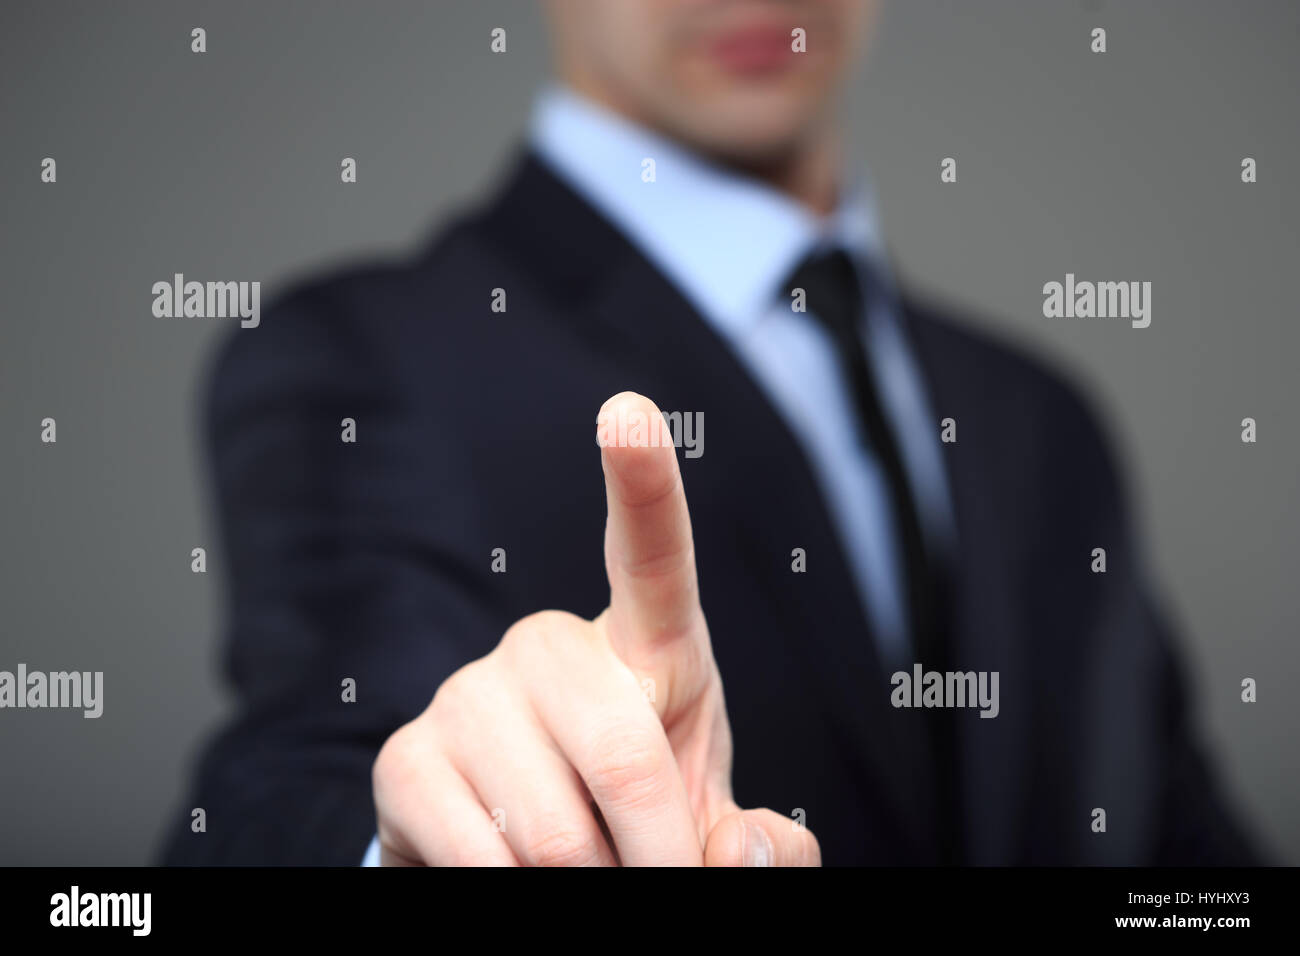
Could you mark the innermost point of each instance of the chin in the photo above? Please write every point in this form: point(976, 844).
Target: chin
point(747, 134)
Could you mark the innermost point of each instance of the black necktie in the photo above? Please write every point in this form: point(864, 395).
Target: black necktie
point(835, 296)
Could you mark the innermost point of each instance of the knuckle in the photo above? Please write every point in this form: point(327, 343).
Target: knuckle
point(469, 703)
point(626, 767)
point(469, 857)
point(543, 634)
point(396, 764)
point(552, 620)
point(464, 685)
point(667, 564)
point(562, 846)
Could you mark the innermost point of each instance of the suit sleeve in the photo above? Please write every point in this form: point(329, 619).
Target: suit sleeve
point(1195, 823)
point(350, 592)
point(1200, 827)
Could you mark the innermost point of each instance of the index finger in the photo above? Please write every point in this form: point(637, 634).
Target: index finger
point(649, 551)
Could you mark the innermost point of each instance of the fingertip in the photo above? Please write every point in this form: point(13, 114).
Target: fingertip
point(618, 414)
point(626, 400)
point(632, 435)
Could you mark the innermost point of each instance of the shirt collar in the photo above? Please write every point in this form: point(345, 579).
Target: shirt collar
point(726, 241)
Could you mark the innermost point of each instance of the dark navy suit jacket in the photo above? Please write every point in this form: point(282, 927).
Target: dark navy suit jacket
point(475, 431)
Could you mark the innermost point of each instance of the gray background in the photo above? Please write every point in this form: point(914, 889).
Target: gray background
point(226, 165)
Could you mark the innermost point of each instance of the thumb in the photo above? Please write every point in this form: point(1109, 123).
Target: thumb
point(760, 838)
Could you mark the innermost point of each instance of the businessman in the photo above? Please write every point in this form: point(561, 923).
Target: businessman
point(868, 609)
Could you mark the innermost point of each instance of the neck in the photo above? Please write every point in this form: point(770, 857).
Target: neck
point(808, 172)
point(807, 169)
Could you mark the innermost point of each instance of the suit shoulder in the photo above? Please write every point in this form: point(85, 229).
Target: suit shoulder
point(354, 313)
point(359, 296)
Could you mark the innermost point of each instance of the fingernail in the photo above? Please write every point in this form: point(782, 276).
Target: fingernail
point(757, 849)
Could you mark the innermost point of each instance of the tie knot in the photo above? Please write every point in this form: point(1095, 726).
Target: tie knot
point(832, 290)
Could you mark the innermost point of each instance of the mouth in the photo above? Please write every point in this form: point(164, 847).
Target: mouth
point(754, 49)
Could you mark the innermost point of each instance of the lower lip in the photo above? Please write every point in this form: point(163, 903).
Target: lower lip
point(753, 51)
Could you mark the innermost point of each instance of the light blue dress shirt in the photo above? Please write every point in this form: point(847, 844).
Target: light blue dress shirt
point(728, 243)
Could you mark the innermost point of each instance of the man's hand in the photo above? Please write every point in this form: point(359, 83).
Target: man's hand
point(582, 742)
